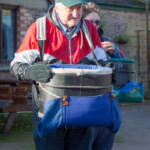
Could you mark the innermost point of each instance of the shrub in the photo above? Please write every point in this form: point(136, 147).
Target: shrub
point(122, 39)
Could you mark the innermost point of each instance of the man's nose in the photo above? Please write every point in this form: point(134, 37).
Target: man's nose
point(75, 13)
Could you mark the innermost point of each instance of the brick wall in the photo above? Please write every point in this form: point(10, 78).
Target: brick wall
point(117, 22)
point(25, 17)
point(123, 22)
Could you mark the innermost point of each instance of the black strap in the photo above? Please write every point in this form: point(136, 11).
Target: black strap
point(88, 37)
point(41, 48)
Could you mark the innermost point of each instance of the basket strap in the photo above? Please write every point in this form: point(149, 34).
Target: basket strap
point(41, 28)
point(41, 34)
point(88, 37)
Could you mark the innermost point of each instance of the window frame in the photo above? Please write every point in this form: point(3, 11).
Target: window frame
point(14, 11)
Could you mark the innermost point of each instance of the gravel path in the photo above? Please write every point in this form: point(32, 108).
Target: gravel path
point(134, 133)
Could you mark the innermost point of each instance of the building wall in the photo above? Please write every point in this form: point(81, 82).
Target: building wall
point(117, 22)
point(26, 15)
point(35, 4)
point(123, 22)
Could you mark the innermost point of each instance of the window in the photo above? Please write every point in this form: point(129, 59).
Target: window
point(7, 36)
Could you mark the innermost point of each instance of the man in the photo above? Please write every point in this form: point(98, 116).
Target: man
point(65, 43)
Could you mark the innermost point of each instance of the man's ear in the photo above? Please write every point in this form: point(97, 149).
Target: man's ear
point(57, 7)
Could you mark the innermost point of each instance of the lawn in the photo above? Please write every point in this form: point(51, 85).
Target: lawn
point(20, 135)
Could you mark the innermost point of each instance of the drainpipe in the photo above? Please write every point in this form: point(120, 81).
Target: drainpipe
point(148, 42)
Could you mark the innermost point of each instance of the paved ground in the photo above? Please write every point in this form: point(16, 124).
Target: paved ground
point(134, 133)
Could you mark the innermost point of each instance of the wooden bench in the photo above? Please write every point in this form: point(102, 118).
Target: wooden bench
point(5, 103)
point(15, 96)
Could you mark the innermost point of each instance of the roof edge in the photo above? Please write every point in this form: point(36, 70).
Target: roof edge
point(121, 7)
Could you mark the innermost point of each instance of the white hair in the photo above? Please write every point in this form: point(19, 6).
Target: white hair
point(58, 4)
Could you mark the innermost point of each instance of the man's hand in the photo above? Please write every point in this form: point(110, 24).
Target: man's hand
point(38, 72)
point(108, 46)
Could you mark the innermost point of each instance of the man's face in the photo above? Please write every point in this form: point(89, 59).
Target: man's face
point(69, 16)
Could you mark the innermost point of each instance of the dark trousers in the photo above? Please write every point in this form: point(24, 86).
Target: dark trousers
point(74, 138)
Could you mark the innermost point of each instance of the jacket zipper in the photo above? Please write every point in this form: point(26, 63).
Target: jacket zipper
point(70, 57)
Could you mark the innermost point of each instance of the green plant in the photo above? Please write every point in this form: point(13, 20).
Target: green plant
point(122, 39)
point(103, 21)
point(139, 1)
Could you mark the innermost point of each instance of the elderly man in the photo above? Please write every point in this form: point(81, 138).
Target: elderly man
point(65, 43)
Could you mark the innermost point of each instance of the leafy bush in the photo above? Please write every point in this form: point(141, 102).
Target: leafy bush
point(122, 39)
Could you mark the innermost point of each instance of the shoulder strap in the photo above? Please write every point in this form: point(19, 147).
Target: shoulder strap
point(41, 28)
point(87, 34)
point(88, 37)
point(41, 34)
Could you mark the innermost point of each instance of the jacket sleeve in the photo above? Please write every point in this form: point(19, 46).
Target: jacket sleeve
point(117, 53)
point(26, 55)
point(19, 70)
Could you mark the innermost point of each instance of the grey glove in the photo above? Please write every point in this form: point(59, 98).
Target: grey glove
point(38, 72)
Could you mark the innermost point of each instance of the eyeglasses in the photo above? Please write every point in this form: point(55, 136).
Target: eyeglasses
point(96, 22)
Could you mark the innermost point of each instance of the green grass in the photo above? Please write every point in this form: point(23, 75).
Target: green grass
point(20, 133)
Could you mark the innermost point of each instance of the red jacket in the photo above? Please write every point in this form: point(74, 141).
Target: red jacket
point(57, 46)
